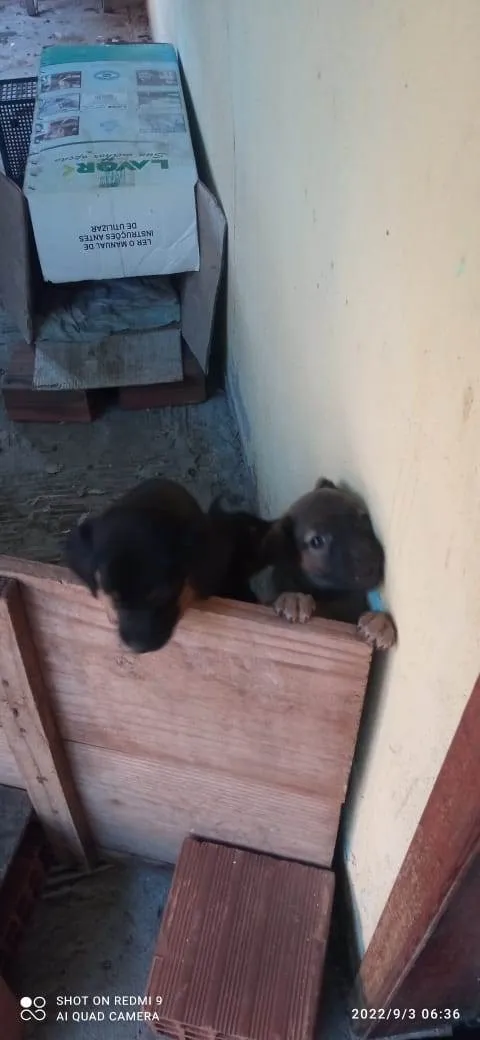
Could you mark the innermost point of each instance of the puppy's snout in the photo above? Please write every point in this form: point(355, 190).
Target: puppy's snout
point(146, 647)
point(144, 632)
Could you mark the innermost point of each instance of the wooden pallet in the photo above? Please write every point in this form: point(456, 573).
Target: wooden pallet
point(24, 403)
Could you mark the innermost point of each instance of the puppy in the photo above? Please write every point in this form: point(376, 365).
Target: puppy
point(150, 555)
point(154, 552)
point(239, 537)
point(326, 558)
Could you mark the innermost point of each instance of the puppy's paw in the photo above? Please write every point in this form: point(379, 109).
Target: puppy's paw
point(295, 607)
point(377, 629)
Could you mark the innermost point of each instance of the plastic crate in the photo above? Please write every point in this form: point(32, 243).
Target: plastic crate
point(17, 102)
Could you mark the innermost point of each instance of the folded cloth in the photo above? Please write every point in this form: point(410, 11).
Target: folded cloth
point(89, 311)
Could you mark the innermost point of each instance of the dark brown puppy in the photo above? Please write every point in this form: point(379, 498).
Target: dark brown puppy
point(154, 552)
point(326, 558)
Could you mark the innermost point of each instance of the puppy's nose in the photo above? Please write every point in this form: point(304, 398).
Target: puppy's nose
point(138, 647)
point(144, 642)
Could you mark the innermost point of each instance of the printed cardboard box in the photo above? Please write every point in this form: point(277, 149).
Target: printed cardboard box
point(23, 290)
point(111, 173)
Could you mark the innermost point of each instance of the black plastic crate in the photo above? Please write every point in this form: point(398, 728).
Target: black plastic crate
point(17, 103)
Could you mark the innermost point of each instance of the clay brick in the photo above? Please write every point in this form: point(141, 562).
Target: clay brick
point(20, 888)
point(242, 946)
point(9, 1016)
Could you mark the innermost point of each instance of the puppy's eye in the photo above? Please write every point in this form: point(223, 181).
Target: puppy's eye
point(317, 541)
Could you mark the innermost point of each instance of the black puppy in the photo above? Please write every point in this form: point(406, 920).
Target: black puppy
point(239, 537)
point(326, 558)
point(154, 552)
point(149, 555)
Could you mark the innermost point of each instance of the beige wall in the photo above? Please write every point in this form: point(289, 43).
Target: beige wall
point(344, 140)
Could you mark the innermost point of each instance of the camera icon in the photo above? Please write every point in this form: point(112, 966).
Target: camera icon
point(33, 1008)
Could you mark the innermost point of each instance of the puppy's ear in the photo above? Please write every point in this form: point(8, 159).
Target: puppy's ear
point(79, 554)
point(324, 483)
point(279, 542)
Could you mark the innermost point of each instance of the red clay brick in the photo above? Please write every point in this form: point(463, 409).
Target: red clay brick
point(242, 946)
point(20, 888)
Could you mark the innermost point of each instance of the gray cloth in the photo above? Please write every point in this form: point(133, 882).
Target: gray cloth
point(89, 312)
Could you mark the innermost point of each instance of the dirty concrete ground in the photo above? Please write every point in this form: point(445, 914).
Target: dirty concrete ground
point(51, 474)
point(63, 21)
point(94, 936)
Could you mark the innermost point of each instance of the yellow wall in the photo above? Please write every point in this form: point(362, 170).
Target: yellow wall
point(344, 140)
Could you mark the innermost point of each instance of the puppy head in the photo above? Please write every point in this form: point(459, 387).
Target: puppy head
point(140, 562)
point(329, 535)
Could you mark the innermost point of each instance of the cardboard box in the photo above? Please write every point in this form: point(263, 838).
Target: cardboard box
point(111, 174)
point(22, 286)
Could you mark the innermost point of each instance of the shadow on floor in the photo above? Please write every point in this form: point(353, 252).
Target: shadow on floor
point(92, 940)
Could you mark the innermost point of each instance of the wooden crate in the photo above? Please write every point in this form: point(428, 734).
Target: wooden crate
point(241, 730)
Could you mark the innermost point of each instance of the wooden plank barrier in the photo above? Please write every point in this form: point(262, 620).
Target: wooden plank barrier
point(242, 729)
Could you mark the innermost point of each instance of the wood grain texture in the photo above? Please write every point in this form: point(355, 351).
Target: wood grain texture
point(446, 972)
point(192, 389)
point(246, 725)
point(242, 946)
point(32, 734)
point(443, 852)
point(23, 403)
point(148, 807)
point(10, 774)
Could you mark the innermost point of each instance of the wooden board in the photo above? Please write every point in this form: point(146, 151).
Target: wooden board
point(134, 804)
point(242, 729)
point(25, 403)
point(10, 774)
point(136, 358)
point(32, 733)
point(242, 946)
point(192, 389)
point(425, 951)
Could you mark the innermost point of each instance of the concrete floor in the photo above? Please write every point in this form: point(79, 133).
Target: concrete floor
point(92, 937)
point(95, 935)
point(64, 21)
